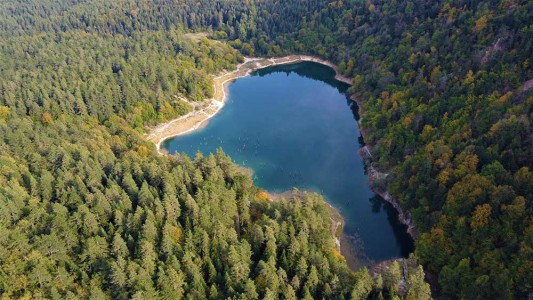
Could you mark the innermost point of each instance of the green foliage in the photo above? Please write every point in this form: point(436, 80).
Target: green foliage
point(84, 215)
point(445, 111)
point(143, 77)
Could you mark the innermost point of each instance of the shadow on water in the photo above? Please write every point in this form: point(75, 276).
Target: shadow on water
point(328, 77)
point(353, 246)
point(324, 74)
point(403, 239)
point(355, 112)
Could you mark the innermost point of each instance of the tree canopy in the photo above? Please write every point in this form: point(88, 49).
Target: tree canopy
point(91, 210)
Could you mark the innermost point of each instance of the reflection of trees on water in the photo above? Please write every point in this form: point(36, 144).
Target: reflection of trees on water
point(317, 72)
point(403, 239)
point(321, 73)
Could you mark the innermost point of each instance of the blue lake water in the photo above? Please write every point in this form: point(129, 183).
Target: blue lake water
point(295, 126)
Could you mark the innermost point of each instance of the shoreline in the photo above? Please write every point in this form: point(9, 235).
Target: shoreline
point(365, 152)
point(197, 118)
point(336, 226)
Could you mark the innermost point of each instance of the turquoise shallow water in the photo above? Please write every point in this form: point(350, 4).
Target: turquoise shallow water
point(295, 126)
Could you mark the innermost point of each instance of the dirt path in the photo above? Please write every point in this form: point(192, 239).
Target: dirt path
point(197, 118)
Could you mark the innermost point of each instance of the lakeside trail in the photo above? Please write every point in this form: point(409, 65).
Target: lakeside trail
point(210, 107)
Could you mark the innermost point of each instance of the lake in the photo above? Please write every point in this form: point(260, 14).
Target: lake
point(295, 127)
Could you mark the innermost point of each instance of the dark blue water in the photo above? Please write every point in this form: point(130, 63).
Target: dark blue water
point(295, 126)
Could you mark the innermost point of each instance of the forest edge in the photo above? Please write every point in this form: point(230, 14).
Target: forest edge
point(198, 118)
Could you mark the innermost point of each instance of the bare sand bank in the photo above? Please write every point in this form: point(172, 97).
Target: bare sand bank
point(197, 118)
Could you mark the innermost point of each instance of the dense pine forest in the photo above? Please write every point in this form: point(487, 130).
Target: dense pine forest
point(91, 210)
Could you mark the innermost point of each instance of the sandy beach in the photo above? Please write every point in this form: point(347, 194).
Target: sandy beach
point(209, 107)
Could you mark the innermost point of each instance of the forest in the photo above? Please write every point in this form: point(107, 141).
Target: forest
point(91, 210)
